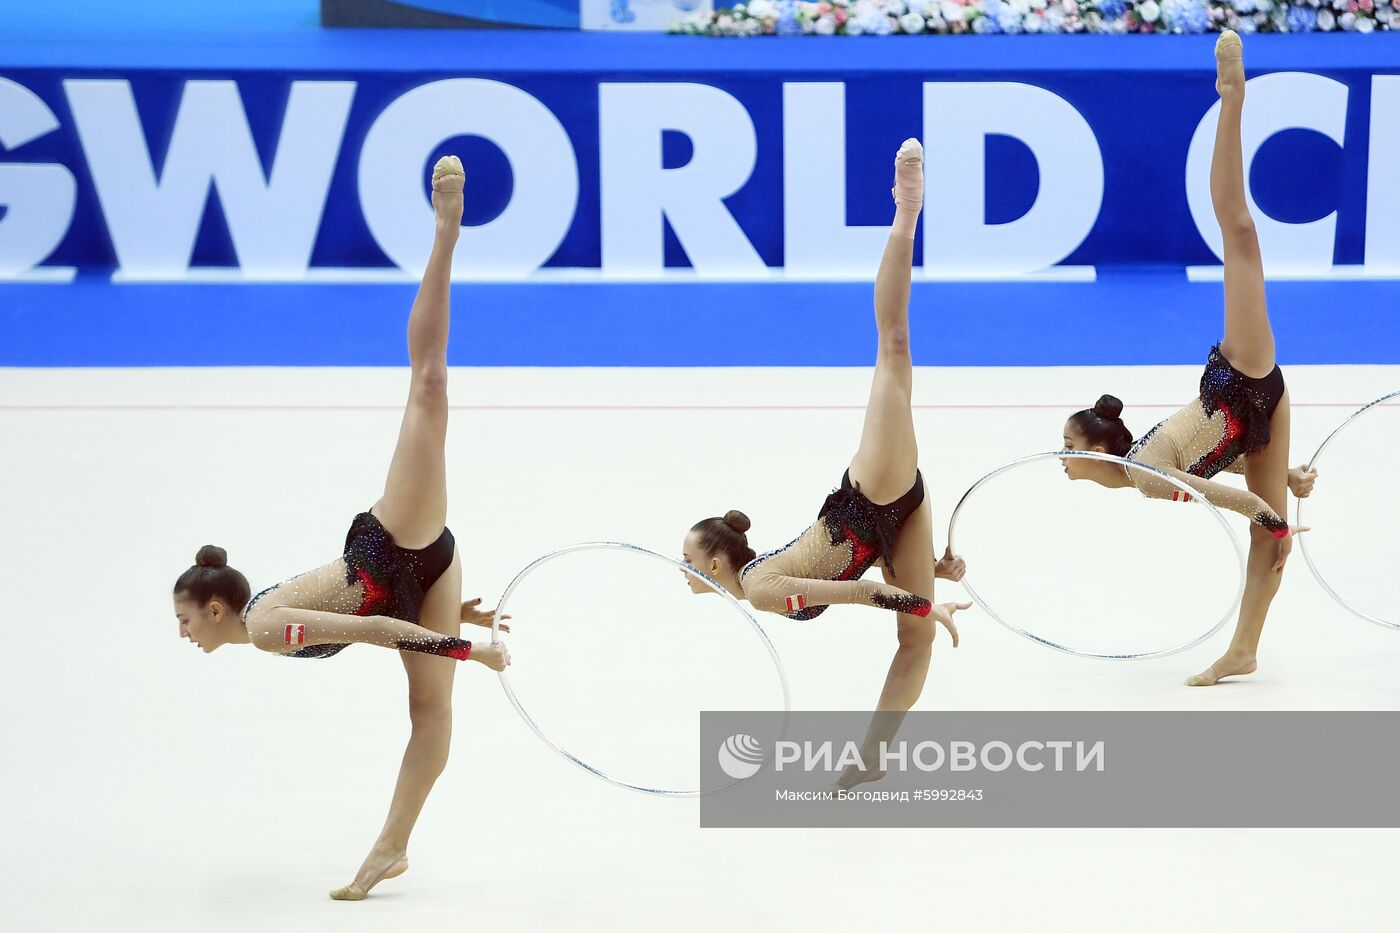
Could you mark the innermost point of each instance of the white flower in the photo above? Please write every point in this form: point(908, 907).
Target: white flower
point(1069, 6)
point(1348, 21)
point(762, 8)
point(979, 25)
point(1020, 7)
point(953, 13)
point(1326, 22)
point(1031, 23)
point(738, 10)
point(826, 26)
point(1054, 20)
point(809, 26)
point(911, 23)
point(1039, 4)
point(1150, 11)
point(896, 8)
point(1365, 24)
point(1263, 6)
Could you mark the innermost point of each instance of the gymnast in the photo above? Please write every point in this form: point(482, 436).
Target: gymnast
point(398, 583)
point(878, 517)
point(1240, 421)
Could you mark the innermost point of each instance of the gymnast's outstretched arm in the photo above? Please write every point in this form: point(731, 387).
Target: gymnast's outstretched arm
point(282, 629)
point(1220, 495)
point(780, 593)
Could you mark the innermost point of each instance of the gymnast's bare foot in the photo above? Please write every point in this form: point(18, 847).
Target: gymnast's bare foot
point(449, 178)
point(1229, 65)
point(379, 865)
point(1229, 665)
point(854, 776)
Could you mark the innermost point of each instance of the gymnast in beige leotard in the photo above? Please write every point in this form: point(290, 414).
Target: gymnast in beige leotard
point(877, 517)
point(1239, 423)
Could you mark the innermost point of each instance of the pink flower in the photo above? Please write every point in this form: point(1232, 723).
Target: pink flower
point(1351, 5)
point(1367, 5)
point(823, 8)
point(840, 17)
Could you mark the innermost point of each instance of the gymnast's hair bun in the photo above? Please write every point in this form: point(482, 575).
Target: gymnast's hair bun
point(1108, 408)
point(211, 556)
point(737, 520)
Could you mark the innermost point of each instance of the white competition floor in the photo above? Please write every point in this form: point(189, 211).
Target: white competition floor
point(147, 787)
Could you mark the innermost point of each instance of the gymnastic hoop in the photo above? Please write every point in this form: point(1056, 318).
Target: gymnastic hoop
point(1128, 464)
point(635, 549)
point(1303, 539)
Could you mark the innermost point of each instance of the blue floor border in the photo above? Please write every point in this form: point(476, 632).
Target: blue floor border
point(1148, 318)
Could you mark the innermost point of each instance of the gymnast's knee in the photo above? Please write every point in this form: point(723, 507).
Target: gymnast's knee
point(430, 715)
point(894, 341)
point(915, 632)
point(1261, 538)
point(430, 383)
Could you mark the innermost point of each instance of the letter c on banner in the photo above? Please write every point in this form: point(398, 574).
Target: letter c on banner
point(541, 157)
point(1275, 102)
point(39, 198)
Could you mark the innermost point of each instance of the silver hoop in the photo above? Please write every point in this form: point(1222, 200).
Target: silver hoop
point(622, 546)
point(1303, 539)
point(1128, 464)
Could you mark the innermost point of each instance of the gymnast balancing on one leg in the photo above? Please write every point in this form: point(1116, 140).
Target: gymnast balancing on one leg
point(878, 516)
point(399, 581)
point(1240, 422)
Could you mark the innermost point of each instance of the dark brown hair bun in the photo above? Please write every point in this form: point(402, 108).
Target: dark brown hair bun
point(1108, 408)
point(737, 520)
point(211, 556)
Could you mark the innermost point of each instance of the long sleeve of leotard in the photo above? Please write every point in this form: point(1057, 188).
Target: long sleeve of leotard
point(1220, 495)
point(774, 592)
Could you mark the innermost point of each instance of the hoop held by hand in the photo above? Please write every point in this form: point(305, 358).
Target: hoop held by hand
point(1189, 496)
point(1308, 557)
point(634, 549)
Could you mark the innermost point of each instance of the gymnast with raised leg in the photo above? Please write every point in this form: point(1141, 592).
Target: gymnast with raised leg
point(878, 517)
point(1240, 421)
point(398, 583)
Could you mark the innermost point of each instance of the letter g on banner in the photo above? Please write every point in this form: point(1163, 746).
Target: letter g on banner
point(39, 198)
point(394, 157)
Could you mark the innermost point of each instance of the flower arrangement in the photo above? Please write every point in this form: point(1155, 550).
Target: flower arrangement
point(1014, 17)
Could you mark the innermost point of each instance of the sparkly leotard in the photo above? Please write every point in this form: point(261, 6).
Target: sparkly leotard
point(824, 564)
point(392, 580)
point(1214, 434)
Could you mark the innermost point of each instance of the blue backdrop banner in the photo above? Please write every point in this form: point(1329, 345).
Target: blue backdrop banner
point(604, 158)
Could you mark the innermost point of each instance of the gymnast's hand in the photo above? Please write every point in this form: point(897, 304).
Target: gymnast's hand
point(482, 617)
point(1300, 481)
point(1285, 547)
point(942, 613)
point(950, 567)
